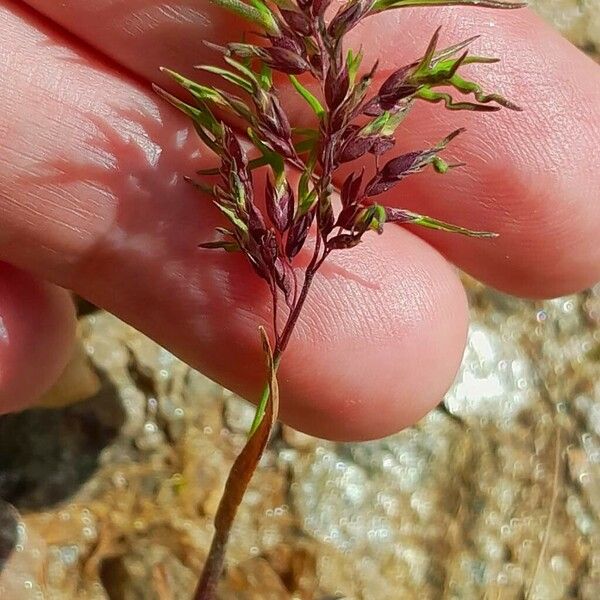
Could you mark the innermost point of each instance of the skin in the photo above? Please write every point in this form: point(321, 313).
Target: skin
point(92, 199)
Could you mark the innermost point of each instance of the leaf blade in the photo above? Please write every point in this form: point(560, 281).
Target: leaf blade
point(310, 98)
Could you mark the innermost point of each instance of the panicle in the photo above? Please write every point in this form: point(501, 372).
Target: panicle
point(303, 40)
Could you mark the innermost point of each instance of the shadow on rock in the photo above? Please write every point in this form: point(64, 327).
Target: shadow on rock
point(8, 532)
point(46, 455)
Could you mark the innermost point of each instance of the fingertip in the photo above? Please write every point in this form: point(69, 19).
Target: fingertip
point(387, 376)
point(37, 329)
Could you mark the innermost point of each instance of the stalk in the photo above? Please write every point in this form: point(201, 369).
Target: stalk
point(299, 40)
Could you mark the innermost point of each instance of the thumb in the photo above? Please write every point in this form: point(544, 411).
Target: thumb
point(37, 327)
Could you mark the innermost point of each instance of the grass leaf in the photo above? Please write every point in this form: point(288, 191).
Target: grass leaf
point(312, 101)
point(239, 478)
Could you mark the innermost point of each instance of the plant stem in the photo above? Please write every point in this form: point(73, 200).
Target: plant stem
point(213, 568)
point(282, 341)
point(237, 482)
point(211, 573)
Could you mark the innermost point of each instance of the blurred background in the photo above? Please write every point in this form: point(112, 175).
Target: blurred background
point(109, 488)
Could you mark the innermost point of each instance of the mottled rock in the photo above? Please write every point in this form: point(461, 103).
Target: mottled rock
point(578, 20)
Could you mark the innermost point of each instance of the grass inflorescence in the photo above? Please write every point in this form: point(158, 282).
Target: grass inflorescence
point(304, 40)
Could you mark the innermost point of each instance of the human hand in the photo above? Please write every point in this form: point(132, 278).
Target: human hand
point(92, 199)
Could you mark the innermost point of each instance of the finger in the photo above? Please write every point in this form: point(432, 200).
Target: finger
point(532, 177)
point(37, 328)
point(91, 198)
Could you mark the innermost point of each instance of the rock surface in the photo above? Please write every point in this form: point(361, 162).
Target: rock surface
point(494, 495)
point(578, 20)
